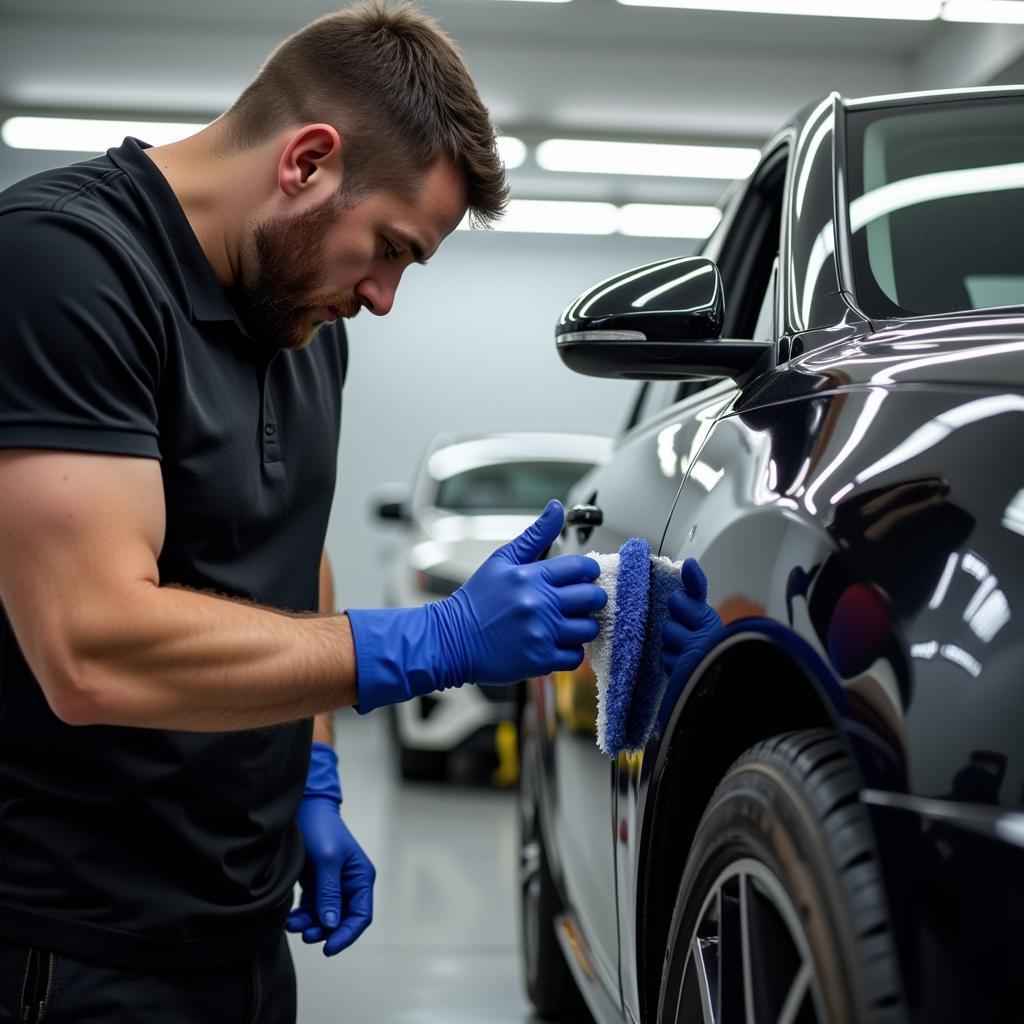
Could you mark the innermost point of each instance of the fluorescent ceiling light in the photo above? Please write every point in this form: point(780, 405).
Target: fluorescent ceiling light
point(80, 135)
point(649, 220)
point(88, 135)
point(659, 220)
point(1007, 12)
point(901, 10)
point(643, 158)
point(561, 218)
point(511, 150)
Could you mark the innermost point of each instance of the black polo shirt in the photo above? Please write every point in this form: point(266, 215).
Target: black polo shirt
point(143, 847)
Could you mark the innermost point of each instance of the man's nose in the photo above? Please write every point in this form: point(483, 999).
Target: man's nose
point(377, 294)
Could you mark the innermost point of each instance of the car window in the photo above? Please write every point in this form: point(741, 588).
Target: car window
point(652, 396)
point(508, 487)
point(936, 205)
point(814, 298)
point(766, 328)
point(746, 252)
point(655, 395)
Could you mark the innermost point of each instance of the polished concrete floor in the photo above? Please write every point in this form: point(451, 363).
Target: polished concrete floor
point(443, 946)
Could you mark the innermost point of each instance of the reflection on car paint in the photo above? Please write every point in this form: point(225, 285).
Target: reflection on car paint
point(859, 506)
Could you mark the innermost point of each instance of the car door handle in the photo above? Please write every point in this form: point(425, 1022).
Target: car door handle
point(585, 515)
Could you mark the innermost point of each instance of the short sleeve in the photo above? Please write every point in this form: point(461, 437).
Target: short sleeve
point(81, 342)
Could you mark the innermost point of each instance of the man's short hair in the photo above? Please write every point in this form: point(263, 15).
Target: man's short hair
point(398, 92)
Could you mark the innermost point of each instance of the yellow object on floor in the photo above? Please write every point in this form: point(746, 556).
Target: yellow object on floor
point(506, 743)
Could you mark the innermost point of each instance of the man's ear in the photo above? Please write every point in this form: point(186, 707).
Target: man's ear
point(311, 159)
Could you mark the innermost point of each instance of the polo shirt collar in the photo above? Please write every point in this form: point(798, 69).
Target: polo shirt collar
point(206, 296)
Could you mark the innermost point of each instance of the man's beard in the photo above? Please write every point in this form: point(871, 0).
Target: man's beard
point(289, 257)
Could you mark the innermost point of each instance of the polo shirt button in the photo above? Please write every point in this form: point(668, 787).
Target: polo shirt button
point(269, 429)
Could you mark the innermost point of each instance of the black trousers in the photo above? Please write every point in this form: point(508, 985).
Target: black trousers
point(41, 987)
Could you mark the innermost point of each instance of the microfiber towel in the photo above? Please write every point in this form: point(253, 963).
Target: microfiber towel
point(625, 656)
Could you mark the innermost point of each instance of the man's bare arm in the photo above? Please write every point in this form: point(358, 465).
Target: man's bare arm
point(323, 724)
point(80, 535)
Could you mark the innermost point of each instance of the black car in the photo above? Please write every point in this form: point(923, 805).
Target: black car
point(827, 822)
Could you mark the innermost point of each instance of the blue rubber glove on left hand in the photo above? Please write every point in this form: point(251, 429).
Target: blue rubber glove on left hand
point(693, 627)
point(337, 878)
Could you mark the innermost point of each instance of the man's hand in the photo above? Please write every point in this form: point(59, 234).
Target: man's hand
point(514, 618)
point(337, 879)
point(692, 628)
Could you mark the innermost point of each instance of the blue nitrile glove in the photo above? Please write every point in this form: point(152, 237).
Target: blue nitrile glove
point(693, 626)
point(337, 878)
point(514, 618)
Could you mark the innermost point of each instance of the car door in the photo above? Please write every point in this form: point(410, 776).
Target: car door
point(746, 250)
point(650, 459)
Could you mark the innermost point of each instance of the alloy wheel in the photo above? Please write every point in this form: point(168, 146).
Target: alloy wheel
point(748, 959)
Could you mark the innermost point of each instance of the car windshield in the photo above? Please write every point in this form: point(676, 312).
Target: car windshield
point(936, 194)
point(508, 486)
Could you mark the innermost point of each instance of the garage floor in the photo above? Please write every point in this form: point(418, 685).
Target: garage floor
point(443, 943)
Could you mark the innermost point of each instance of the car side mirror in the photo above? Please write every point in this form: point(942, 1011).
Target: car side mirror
point(393, 510)
point(656, 322)
point(391, 503)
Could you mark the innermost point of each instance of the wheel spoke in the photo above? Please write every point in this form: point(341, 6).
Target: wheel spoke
point(747, 961)
point(699, 992)
point(730, 956)
point(748, 974)
point(795, 996)
point(774, 956)
point(701, 952)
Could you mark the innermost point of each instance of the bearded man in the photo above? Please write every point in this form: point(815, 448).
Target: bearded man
point(173, 359)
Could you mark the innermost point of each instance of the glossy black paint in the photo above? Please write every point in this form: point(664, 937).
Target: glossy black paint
point(664, 319)
point(672, 300)
point(865, 498)
point(584, 516)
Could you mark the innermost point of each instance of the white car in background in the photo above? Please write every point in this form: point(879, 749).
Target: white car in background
point(471, 495)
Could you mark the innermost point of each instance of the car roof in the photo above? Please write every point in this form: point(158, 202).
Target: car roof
point(930, 96)
point(452, 455)
point(897, 99)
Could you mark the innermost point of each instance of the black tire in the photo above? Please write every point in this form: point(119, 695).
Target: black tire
point(422, 765)
point(418, 765)
point(548, 980)
point(784, 845)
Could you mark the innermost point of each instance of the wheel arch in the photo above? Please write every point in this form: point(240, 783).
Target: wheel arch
point(720, 714)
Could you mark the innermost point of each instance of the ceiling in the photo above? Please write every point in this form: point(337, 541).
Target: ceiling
point(589, 68)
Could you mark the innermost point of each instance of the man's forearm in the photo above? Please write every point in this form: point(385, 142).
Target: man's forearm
point(182, 659)
point(323, 724)
point(323, 728)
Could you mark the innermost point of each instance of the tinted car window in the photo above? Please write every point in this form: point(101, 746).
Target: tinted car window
point(654, 395)
point(766, 328)
point(508, 486)
point(751, 245)
point(936, 206)
point(814, 286)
